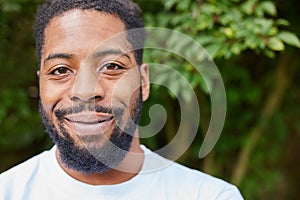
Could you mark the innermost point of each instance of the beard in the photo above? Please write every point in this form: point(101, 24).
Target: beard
point(99, 157)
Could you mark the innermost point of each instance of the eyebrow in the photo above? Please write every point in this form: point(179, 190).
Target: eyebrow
point(103, 53)
point(98, 54)
point(58, 55)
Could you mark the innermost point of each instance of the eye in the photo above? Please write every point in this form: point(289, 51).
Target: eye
point(111, 66)
point(61, 71)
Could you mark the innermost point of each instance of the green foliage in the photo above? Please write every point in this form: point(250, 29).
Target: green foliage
point(224, 28)
point(20, 123)
point(227, 28)
point(17, 120)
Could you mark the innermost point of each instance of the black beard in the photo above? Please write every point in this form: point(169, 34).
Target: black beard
point(96, 159)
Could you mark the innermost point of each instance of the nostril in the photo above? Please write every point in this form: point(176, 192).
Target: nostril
point(74, 98)
point(94, 99)
point(86, 100)
point(98, 97)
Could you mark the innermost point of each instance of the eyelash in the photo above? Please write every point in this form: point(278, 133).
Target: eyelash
point(103, 69)
point(55, 71)
point(115, 66)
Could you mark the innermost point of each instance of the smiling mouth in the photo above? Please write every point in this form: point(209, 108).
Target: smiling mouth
point(85, 124)
point(89, 122)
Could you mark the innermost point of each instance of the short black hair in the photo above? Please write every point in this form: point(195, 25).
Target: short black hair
point(127, 11)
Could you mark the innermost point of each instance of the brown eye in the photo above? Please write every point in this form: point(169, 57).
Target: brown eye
point(111, 66)
point(61, 71)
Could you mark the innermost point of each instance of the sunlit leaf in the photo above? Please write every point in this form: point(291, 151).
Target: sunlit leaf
point(269, 8)
point(289, 38)
point(276, 44)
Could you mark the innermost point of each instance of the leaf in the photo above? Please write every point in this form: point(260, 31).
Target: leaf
point(205, 86)
point(203, 40)
point(282, 22)
point(213, 50)
point(236, 48)
point(269, 8)
point(289, 38)
point(248, 7)
point(169, 4)
point(229, 32)
point(276, 44)
point(183, 5)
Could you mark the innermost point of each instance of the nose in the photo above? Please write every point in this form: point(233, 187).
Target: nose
point(87, 86)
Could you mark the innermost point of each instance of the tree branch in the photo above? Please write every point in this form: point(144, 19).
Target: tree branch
point(272, 104)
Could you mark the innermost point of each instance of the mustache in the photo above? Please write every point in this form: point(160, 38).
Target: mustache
point(62, 112)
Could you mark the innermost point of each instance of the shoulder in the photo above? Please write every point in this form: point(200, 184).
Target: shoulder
point(20, 175)
point(26, 167)
point(190, 183)
point(206, 186)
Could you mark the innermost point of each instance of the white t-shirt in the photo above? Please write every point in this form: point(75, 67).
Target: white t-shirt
point(41, 178)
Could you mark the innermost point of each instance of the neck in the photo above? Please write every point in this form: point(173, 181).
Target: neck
point(128, 168)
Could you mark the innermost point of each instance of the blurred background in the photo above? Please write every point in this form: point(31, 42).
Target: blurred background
point(254, 43)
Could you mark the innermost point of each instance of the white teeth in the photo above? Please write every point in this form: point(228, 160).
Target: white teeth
point(88, 118)
point(88, 127)
point(105, 120)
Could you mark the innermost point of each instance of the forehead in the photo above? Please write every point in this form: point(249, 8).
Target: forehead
point(84, 31)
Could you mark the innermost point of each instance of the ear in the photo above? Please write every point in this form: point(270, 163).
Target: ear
point(38, 73)
point(144, 70)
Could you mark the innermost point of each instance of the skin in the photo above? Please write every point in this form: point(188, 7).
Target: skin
point(70, 74)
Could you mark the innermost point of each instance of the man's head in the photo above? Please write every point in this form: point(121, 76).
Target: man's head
point(92, 82)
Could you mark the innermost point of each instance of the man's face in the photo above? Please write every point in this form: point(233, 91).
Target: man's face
point(90, 89)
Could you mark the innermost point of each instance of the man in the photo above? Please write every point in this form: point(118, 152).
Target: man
point(92, 85)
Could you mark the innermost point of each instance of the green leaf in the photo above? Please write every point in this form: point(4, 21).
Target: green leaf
point(203, 40)
point(169, 4)
point(282, 22)
point(276, 44)
point(183, 5)
point(213, 50)
point(229, 32)
point(236, 48)
point(269, 8)
point(248, 6)
point(289, 38)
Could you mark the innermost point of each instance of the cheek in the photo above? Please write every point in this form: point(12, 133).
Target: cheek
point(126, 90)
point(50, 94)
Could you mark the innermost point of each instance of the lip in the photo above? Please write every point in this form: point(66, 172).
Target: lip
point(89, 123)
